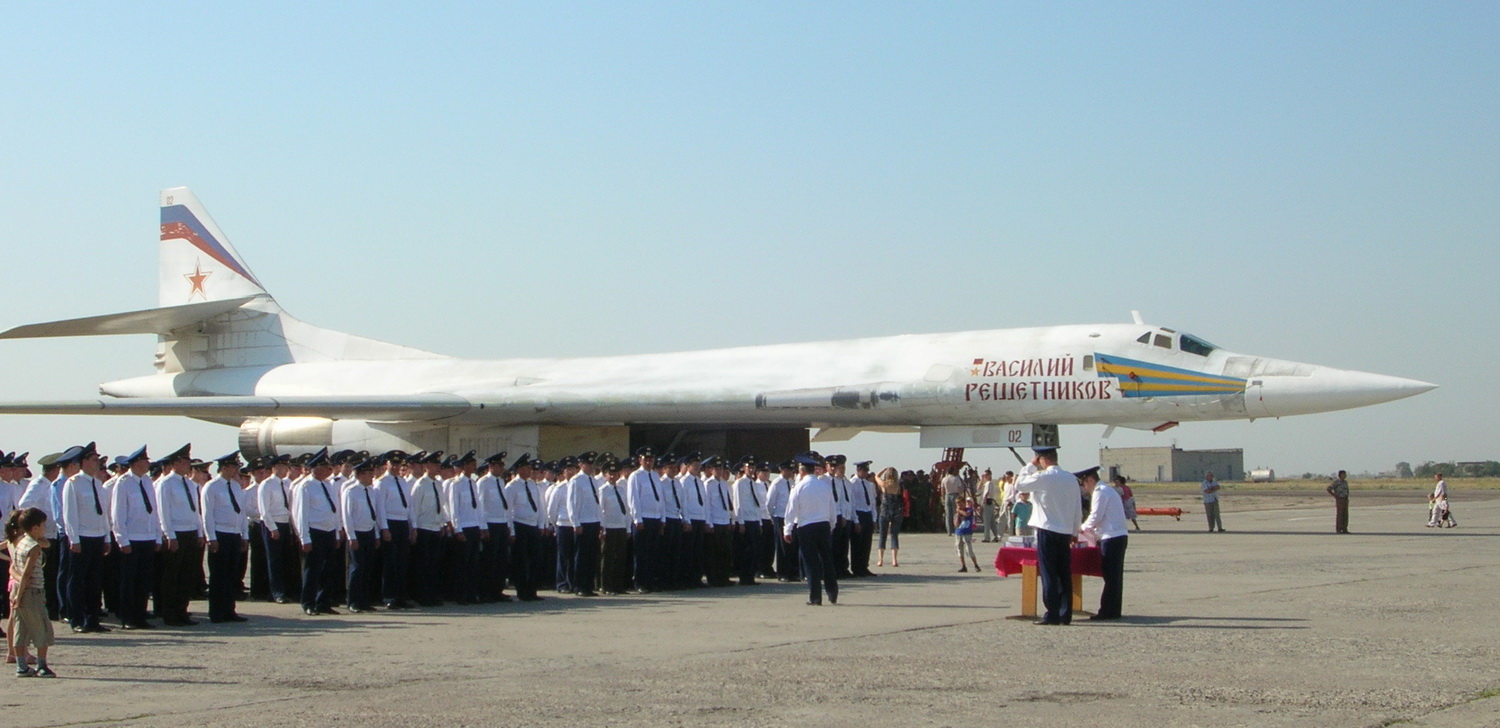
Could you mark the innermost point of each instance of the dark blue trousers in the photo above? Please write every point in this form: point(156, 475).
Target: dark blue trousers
point(136, 570)
point(647, 546)
point(85, 581)
point(1054, 558)
point(361, 577)
point(494, 560)
point(586, 557)
point(224, 580)
point(670, 546)
point(859, 543)
point(567, 548)
point(524, 555)
point(428, 557)
point(815, 541)
point(786, 553)
point(319, 571)
point(396, 563)
point(467, 572)
point(1112, 552)
point(747, 546)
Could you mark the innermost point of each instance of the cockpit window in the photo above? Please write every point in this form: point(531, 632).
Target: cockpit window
point(1163, 341)
point(1194, 345)
point(1145, 338)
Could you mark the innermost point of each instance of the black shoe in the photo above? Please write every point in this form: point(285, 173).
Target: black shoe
point(1046, 623)
point(833, 600)
point(328, 610)
point(588, 594)
point(812, 603)
point(1103, 618)
point(358, 610)
point(96, 629)
point(503, 598)
point(281, 600)
point(236, 618)
point(534, 598)
point(311, 612)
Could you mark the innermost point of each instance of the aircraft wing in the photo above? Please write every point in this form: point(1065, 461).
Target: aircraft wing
point(392, 408)
point(148, 321)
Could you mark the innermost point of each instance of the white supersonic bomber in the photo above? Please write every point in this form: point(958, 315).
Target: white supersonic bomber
point(229, 354)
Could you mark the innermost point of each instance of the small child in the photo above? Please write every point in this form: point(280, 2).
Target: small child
point(28, 605)
point(1020, 515)
point(963, 531)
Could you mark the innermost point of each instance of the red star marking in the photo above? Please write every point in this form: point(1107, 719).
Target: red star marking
point(197, 278)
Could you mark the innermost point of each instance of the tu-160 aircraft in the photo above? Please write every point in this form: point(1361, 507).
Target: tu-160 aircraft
point(229, 354)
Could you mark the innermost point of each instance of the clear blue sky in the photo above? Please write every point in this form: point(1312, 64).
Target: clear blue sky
point(1310, 181)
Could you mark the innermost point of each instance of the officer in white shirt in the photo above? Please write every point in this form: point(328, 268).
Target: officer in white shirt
point(466, 521)
point(429, 520)
point(315, 515)
point(844, 531)
point(614, 571)
point(585, 511)
point(138, 534)
point(494, 556)
point(526, 524)
point(644, 494)
point(689, 565)
point(393, 492)
point(83, 503)
point(226, 527)
point(746, 503)
point(1107, 523)
point(1057, 513)
point(862, 503)
point(182, 527)
point(667, 468)
point(363, 517)
point(718, 545)
point(274, 498)
point(811, 514)
point(776, 499)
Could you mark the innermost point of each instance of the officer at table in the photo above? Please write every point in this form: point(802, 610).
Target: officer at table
point(1056, 516)
point(1107, 521)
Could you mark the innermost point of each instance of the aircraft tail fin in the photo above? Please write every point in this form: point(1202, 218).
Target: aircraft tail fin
point(197, 263)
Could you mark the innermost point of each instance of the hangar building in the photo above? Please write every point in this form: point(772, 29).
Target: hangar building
point(1170, 464)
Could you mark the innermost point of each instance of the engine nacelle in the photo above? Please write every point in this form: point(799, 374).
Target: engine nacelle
point(264, 436)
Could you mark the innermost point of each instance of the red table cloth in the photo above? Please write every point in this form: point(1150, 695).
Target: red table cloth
point(1087, 560)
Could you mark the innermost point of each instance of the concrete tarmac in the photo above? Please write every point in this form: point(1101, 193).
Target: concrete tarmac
point(1278, 622)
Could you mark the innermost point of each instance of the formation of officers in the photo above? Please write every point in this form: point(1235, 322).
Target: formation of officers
point(404, 530)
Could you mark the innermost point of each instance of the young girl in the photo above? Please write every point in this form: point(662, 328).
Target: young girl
point(963, 530)
point(28, 605)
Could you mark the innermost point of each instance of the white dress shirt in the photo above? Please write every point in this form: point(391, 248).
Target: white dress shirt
point(720, 511)
point(1107, 513)
point(781, 490)
point(493, 501)
point(427, 510)
point(274, 498)
point(394, 496)
point(557, 515)
point(616, 514)
point(525, 502)
point(361, 509)
point(862, 495)
point(177, 506)
point(694, 507)
point(132, 511)
point(223, 510)
point(582, 502)
point(314, 508)
point(644, 493)
point(463, 503)
point(671, 497)
point(746, 501)
point(811, 502)
point(83, 501)
point(38, 495)
point(1056, 504)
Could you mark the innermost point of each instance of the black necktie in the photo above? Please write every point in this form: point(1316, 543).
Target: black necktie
point(719, 488)
point(94, 485)
point(228, 486)
point(399, 491)
point(593, 492)
point(500, 488)
point(620, 500)
point(473, 501)
point(189, 493)
point(864, 491)
point(284, 502)
point(699, 491)
point(835, 493)
point(676, 499)
point(654, 492)
point(754, 499)
point(369, 503)
point(331, 506)
point(437, 497)
point(142, 485)
point(526, 484)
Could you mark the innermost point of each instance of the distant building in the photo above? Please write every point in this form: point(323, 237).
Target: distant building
point(1170, 464)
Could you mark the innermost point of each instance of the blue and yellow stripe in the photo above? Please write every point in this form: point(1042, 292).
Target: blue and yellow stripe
point(1144, 379)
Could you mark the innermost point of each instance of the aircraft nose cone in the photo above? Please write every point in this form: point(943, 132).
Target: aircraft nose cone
point(1325, 389)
